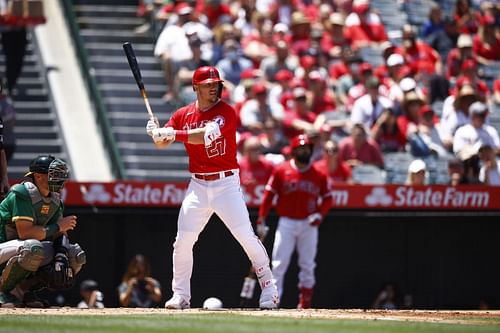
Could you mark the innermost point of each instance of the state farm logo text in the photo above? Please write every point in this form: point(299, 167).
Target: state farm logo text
point(143, 194)
point(428, 197)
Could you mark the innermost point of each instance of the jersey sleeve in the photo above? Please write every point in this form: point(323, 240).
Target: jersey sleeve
point(174, 120)
point(272, 188)
point(326, 195)
point(22, 209)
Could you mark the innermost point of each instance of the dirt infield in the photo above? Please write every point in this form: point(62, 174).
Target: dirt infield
point(465, 317)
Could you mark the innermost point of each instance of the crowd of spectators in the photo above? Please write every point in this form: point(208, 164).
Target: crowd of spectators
point(331, 69)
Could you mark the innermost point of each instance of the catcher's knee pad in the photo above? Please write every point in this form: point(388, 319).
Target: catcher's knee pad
point(28, 259)
point(77, 257)
point(31, 254)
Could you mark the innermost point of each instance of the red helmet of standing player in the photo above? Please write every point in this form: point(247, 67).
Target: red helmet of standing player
point(206, 74)
point(302, 149)
point(300, 140)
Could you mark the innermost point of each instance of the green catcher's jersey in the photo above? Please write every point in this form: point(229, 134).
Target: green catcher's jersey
point(25, 202)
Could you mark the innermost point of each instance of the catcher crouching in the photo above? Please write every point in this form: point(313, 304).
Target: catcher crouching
point(35, 252)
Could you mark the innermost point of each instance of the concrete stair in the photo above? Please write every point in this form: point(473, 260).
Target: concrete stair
point(36, 129)
point(104, 29)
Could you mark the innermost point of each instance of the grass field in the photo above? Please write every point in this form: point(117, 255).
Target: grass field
point(194, 321)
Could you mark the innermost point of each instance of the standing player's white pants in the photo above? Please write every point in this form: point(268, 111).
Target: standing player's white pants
point(291, 234)
point(203, 198)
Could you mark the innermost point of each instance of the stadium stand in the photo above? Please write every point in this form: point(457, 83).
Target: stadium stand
point(104, 29)
point(368, 174)
point(36, 128)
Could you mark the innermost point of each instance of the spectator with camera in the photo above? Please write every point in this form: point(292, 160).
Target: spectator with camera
point(138, 289)
point(92, 297)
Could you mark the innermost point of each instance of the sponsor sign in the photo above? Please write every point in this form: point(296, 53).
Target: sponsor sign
point(162, 194)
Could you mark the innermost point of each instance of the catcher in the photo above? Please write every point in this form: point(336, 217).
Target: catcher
point(34, 249)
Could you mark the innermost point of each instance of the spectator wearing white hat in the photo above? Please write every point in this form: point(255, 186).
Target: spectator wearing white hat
point(393, 65)
point(417, 173)
point(477, 133)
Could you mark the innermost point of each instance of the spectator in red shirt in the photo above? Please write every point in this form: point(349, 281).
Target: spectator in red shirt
point(496, 94)
point(411, 113)
point(323, 99)
point(465, 17)
point(299, 119)
point(469, 75)
point(359, 149)
point(339, 172)
point(363, 27)
point(334, 38)
point(215, 11)
point(387, 134)
point(301, 33)
point(458, 55)
point(423, 59)
point(254, 168)
point(487, 42)
point(338, 68)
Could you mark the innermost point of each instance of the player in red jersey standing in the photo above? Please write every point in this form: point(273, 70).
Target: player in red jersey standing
point(207, 127)
point(304, 199)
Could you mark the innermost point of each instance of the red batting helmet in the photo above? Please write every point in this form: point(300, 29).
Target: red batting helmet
point(300, 140)
point(206, 74)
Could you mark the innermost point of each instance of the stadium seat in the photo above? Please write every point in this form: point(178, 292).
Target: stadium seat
point(368, 174)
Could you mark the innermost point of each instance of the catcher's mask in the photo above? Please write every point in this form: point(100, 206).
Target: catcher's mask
point(58, 174)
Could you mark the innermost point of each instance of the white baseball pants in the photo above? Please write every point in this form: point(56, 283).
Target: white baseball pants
point(291, 234)
point(203, 198)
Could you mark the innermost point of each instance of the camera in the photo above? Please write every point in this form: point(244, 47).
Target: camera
point(141, 284)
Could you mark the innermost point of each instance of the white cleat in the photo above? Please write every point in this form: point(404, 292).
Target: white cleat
point(177, 303)
point(269, 298)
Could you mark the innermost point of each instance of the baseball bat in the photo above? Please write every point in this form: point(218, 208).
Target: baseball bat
point(136, 71)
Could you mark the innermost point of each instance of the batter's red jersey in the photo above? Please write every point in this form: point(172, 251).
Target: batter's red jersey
point(298, 192)
point(221, 154)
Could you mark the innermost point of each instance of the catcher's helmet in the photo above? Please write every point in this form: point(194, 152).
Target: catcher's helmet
point(206, 74)
point(40, 164)
point(300, 140)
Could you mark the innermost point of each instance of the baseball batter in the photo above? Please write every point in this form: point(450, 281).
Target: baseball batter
point(303, 200)
point(207, 127)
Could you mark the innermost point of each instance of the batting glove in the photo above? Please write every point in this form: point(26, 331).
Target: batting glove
point(212, 132)
point(162, 134)
point(151, 125)
point(262, 231)
point(314, 219)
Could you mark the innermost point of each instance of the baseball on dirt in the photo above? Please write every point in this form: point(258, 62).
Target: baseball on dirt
point(212, 303)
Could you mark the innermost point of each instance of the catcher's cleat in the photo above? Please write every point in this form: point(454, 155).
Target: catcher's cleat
point(269, 298)
point(31, 300)
point(177, 303)
point(7, 300)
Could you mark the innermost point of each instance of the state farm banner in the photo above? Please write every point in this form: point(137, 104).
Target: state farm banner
point(163, 194)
